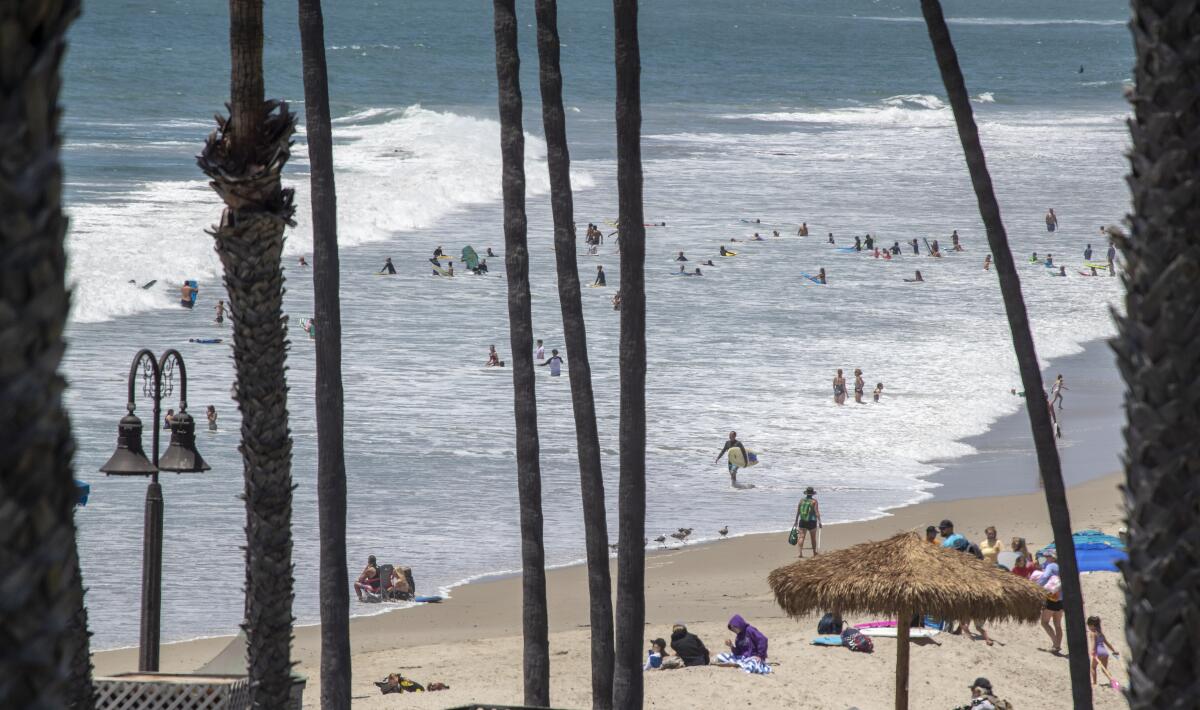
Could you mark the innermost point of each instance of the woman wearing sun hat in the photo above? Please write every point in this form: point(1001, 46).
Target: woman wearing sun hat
point(808, 519)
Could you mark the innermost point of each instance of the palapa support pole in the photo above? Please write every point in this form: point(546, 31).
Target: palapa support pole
point(902, 621)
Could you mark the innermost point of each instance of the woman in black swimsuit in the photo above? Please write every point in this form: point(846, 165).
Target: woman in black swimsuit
point(839, 388)
point(858, 386)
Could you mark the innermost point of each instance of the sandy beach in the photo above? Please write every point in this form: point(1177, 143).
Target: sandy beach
point(472, 642)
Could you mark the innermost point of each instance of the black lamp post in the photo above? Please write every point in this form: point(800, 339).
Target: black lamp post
point(130, 460)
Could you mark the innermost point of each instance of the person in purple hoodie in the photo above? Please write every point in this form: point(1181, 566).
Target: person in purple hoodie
point(748, 650)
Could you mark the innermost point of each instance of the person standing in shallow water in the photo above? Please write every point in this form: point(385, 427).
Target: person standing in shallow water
point(839, 388)
point(808, 519)
point(859, 385)
point(1051, 220)
point(733, 442)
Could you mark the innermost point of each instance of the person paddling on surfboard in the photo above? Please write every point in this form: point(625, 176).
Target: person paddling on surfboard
point(732, 443)
point(808, 519)
point(387, 267)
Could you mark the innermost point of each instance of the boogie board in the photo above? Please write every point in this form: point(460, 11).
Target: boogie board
point(827, 641)
point(148, 284)
point(729, 253)
point(735, 458)
point(191, 300)
point(204, 341)
point(846, 250)
point(470, 258)
point(814, 279)
point(428, 600)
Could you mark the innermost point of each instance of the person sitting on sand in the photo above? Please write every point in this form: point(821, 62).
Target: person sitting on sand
point(916, 279)
point(368, 581)
point(1025, 564)
point(982, 697)
point(687, 646)
point(400, 583)
point(747, 650)
point(931, 535)
point(950, 538)
point(654, 657)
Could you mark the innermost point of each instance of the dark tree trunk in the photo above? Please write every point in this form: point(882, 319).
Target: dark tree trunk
point(631, 553)
point(587, 438)
point(1018, 322)
point(331, 460)
point(520, 325)
point(44, 659)
point(1157, 353)
point(244, 159)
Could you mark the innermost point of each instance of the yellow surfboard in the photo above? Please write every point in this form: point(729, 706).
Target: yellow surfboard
point(735, 458)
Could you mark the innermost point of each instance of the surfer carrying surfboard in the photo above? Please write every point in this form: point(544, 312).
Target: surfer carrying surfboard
point(730, 444)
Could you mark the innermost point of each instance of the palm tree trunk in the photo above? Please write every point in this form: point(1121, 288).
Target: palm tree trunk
point(1027, 361)
point(1156, 352)
point(520, 326)
point(44, 660)
point(331, 460)
point(244, 159)
point(587, 438)
point(631, 553)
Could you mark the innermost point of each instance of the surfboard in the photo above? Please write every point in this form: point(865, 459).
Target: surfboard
point(729, 253)
point(445, 257)
point(1089, 264)
point(735, 458)
point(891, 632)
point(470, 257)
point(814, 279)
point(827, 641)
point(846, 250)
point(439, 271)
point(205, 341)
point(148, 284)
point(1007, 559)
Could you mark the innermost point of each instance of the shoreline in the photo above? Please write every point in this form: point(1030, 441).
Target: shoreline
point(1004, 447)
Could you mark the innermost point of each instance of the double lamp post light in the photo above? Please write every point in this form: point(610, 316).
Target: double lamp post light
point(130, 460)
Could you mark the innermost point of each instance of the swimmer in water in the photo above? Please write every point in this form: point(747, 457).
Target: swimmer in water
point(775, 233)
point(857, 244)
point(489, 253)
point(917, 279)
point(709, 263)
point(555, 362)
point(303, 262)
point(1034, 259)
point(451, 269)
point(831, 238)
point(868, 243)
point(697, 272)
point(1049, 260)
point(839, 388)
point(803, 229)
point(494, 357)
point(987, 263)
point(878, 390)
point(955, 246)
point(188, 294)
point(388, 268)
point(616, 301)
point(859, 386)
point(916, 247)
point(681, 257)
point(724, 251)
point(821, 275)
point(934, 250)
point(220, 311)
point(1087, 253)
point(896, 248)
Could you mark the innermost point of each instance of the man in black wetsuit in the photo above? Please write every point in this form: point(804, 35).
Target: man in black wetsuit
point(387, 267)
point(869, 243)
point(732, 442)
point(896, 248)
point(916, 246)
point(600, 280)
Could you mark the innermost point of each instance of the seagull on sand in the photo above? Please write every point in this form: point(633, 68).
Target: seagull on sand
point(723, 531)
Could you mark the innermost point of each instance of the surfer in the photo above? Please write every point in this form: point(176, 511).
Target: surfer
point(868, 243)
point(494, 357)
point(450, 270)
point(758, 238)
point(303, 262)
point(1062, 271)
point(724, 251)
point(935, 250)
point(388, 268)
point(1049, 260)
point(555, 362)
point(857, 244)
point(775, 233)
point(708, 263)
point(821, 275)
point(831, 238)
point(1051, 220)
point(1087, 253)
point(887, 254)
point(681, 257)
point(188, 294)
point(839, 388)
point(220, 309)
point(916, 247)
point(808, 519)
point(539, 353)
point(1112, 259)
point(859, 386)
point(437, 253)
point(895, 248)
point(482, 268)
point(682, 270)
point(732, 442)
point(697, 272)
point(916, 279)
point(600, 280)
point(489, 253)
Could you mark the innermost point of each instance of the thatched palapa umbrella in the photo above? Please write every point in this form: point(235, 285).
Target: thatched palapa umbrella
point(900, 576)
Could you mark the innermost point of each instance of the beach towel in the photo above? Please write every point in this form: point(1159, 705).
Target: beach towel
point(750, 664)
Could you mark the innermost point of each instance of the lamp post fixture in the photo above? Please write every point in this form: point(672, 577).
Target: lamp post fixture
point(130, 460)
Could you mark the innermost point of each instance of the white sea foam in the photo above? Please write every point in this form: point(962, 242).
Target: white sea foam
point(986, 97)
point(397, 170)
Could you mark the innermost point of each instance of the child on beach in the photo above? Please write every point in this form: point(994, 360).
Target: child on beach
point(1100, 647)
point(654, 657)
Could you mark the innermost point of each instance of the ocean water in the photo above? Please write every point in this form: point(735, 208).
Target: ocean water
point(828, 113)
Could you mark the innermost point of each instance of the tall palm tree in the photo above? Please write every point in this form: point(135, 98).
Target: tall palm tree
point(520, 327)
point(587, 438)
point(631, 553)
point(1156, 351)
point(244, 158)
point(331, 459)
point(1027, 362)
point(44, 653)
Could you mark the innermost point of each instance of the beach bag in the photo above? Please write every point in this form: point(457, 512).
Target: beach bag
point(1054, 589)
point(829, 624)
point(856, 641)
point(794, 536)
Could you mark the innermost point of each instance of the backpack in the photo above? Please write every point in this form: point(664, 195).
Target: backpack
point(829, 625)
point(974, 550)
point(856, 641)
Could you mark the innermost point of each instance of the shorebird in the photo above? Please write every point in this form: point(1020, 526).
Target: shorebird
point(723, 531)
point(661, 539)
point(612, 547)
point(681, 535)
